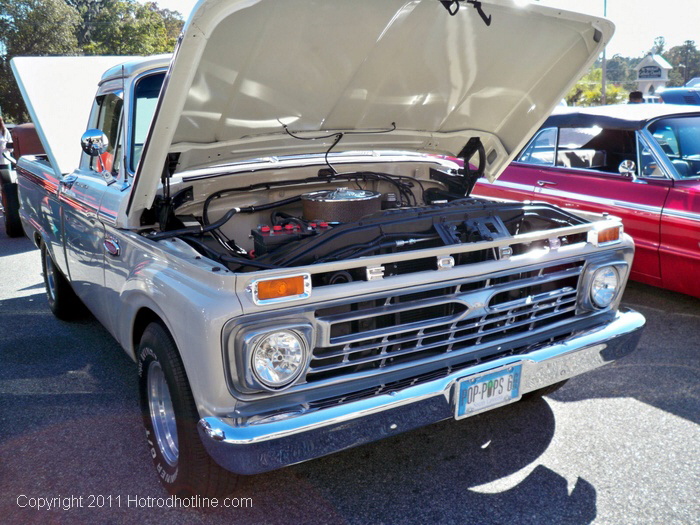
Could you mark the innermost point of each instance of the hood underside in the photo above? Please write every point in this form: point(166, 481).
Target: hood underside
point(59, 93)
point(254, 78)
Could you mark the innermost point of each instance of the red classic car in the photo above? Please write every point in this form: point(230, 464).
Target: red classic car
point(639, 162)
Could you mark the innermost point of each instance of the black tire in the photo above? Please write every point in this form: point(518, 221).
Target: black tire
point(10, 205)
point(170, 417)
point(536, 394)
point(62, 299)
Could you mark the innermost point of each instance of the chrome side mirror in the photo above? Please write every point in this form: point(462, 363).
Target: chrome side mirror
point(94, 142)
point(628, 168)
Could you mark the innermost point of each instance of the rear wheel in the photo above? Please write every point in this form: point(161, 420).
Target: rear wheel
point(10, 205)
point(170, 418)
point(61, 298)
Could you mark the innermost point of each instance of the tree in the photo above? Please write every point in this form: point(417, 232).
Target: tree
point(587, 91)
point(70, 27)
point(685, 60)
point(34, 28)
point(618, 69)
point(37, 27)
point(125, 27)
point(172, 20)
point(88, 10)
point(659, 45)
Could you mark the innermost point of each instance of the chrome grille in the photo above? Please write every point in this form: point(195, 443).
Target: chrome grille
point(396, 386)
point(470, 317)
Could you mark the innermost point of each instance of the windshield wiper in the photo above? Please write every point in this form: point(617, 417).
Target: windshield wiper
point(453, 6)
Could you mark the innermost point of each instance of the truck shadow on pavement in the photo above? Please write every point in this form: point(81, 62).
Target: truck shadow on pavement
point(16, 245)
point(70, 424)
point(664, 371)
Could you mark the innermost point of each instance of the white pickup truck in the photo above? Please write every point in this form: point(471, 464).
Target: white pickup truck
point(275, 224)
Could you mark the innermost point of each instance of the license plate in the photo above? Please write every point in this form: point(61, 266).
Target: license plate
point(487, 390)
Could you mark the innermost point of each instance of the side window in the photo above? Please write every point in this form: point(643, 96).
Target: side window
point(577, 149)
point(648, 167)
point(109, 122)
point(540, 151)
point(679, 139)
point(145, 100)
point(666, 138)
point(596, 149)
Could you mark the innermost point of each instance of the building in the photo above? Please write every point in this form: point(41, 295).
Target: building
point(652, 74)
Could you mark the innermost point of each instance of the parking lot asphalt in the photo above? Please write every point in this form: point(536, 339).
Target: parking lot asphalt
point(620, 445)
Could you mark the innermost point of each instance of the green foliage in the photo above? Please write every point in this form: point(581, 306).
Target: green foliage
point(34, 28)
point(685, 60)
point(587, 91)
point(659, 45)
point(75, 27)
point(38, 27)
point(126, 27)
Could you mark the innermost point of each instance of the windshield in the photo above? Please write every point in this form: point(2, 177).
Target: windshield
point(679, 138)
point(145, 99)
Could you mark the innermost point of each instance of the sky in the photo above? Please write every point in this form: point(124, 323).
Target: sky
point(638, 22)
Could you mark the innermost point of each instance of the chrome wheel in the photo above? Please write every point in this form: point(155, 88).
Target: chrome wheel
point(162, 414)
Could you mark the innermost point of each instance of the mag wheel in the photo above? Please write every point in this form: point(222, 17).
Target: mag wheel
point(170, 418)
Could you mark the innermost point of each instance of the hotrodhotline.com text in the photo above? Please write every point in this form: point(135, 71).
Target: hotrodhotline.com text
point(93, 501)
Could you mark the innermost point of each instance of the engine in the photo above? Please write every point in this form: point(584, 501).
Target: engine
point(382, 214)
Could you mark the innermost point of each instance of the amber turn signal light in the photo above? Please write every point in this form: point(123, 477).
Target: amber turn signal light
point(294, 287)
point(605, 236)
point(609, 235)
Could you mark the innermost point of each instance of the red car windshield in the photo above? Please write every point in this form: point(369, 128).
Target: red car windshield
point(679, 138)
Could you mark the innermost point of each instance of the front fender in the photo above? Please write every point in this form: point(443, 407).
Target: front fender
point(191, 300)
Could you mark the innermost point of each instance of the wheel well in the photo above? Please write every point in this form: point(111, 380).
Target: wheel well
point(144, 317)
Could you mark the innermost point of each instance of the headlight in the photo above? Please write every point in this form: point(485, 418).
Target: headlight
point(278, 358)
point(604, 286)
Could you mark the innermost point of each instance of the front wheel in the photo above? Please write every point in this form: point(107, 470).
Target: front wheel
point(170, 418)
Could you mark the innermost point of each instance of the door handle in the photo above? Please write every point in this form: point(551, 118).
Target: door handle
point(546, 182)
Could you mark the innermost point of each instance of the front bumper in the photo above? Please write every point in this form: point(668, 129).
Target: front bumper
point(273, 444)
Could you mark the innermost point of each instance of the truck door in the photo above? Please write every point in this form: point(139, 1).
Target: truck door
point(80, 196)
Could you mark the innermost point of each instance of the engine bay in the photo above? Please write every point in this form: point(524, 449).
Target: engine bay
point(285, 221)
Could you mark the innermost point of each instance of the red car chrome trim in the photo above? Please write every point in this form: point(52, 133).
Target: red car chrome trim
point(682, 214)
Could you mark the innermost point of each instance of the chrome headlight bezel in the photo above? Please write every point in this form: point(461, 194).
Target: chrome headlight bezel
point(586, 300)
point(250, 340)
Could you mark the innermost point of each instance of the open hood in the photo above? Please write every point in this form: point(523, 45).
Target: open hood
point(59, 93)
point(434, 72)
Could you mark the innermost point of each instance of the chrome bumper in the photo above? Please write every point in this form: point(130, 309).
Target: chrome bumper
point(265, 446)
